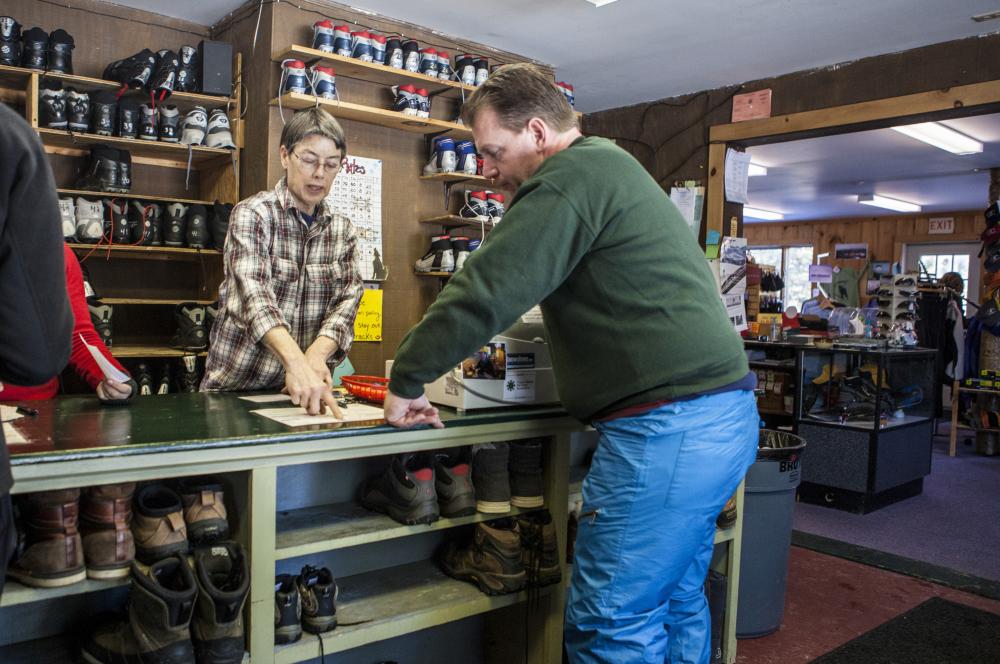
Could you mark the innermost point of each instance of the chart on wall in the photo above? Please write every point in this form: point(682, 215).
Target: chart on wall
point(357, 193)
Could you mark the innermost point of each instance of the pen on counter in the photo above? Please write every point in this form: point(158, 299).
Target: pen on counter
point(30, 412)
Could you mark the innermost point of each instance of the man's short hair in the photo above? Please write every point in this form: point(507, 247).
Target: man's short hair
point(517, 93)
point(313, 121)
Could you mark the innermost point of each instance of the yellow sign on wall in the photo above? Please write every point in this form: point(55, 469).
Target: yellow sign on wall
point(368, 324)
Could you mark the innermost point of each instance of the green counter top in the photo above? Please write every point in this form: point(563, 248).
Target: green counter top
point(79, 427)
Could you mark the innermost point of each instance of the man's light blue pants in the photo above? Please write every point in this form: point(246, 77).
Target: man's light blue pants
point(656, 485)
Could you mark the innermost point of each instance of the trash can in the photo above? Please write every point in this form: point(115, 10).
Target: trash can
point(768, 504)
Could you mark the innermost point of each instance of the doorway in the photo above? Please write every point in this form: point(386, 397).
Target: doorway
point(936, 260)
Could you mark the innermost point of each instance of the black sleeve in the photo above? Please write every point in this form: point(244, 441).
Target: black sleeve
point(35, 319)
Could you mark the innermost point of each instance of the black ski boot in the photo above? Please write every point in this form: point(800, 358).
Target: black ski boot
point(164, 79)
point(103, 113)
point(148, 130)
point(116, 223)
point(10, 42)
point(100, 316)
point(132, 72)
point(189, 378)
point(140, 227)
point(170, 120)
point(102, 172)
point(187, 72)
point(190, 327)
point(53, 106)
point(35, 49)
point(61, 52)
point(124, 183)
point(197, 227)
point(78, 110)
point(220, 223)
point(144, 379)
point(175, 227)
point(128, 119)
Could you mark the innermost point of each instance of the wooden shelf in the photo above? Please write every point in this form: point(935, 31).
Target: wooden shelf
point(312, 530)
point(186, 98)
point(372, 72)
point(371, 115)
point(172, 155)
point(391, 602)
point(139, 350)
point(456, 177)
point(441, 275)
point(14, 75)
point(146, 252)
point(151, 300)
point(15, 593)
point(454, 221)
point(107, 194)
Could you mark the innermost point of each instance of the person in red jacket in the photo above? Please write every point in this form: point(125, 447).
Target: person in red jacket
point(108, 391)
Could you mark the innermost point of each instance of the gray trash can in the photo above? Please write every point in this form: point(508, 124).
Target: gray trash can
point(768, 503)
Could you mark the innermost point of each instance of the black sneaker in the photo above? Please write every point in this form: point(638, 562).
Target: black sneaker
point(404, 491)
point(190, 334)
point(35, 49)
point(60, 52)
point(100, 316)
point(52, 100)
point(144, 379)
point(287, 610)
point(196, 232)
point(318, 592)
point(525, 466)
point(540, 548)
point(77, 110)
point(189, 378)
point(10, 42)
point(453, 483)
point(489, 476)
point(103, 113)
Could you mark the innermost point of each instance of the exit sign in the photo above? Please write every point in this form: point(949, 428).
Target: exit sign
point(941, 225)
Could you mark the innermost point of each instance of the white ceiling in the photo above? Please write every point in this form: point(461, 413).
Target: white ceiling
point(640, 50)
point(820, 178)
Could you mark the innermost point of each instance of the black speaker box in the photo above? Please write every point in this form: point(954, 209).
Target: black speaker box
point(216, 67)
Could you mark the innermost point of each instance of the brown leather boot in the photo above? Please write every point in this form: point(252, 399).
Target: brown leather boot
point(492, 560)
point(540, 546)
point(53, 553)
point(158, 524)
point(204, 509)
point(106, 514)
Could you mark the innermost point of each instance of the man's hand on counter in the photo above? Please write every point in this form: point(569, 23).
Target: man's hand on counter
point(405, 413)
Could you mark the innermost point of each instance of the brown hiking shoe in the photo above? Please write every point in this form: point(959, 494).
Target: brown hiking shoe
point(222, 573)
point(204, 509)
point(160, 605)
point(492, 560)
point(52, 552)
point(158, 524)
point(541, 548)
point(105, 520)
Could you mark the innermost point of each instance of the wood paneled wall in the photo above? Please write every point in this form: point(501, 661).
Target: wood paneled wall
point(885, 236)
point(405, 198)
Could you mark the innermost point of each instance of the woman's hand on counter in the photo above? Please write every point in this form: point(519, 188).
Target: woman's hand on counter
point(405, 413)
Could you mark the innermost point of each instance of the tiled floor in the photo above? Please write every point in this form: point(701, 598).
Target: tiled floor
point(829, 601)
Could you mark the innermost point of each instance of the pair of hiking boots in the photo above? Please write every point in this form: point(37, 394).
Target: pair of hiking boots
point(168, 522)
point(180, 611)
point(506, 555)
point(306, 601)
point(420, 488)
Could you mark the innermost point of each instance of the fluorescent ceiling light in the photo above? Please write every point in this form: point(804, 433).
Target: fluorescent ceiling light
point(940, 136)
point(888, 203)
point(988, 16)
point(601, 3)
point(756, 169)
point(766, 215)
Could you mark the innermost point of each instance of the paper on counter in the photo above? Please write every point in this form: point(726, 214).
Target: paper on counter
point(296, 417)
point(267, 398)
point(109, 370)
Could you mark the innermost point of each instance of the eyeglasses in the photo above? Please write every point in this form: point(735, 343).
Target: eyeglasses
point(311, 162)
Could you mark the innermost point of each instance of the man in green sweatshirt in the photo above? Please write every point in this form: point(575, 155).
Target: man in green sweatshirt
point(641, 348)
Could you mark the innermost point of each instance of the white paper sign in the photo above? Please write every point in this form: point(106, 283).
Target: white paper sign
point(109, 370)
point(519, 385)
point(689, 201)
point(737, 175)
point(357, 194)
point(821, 274)
point(733, 265)
point(736, 310)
